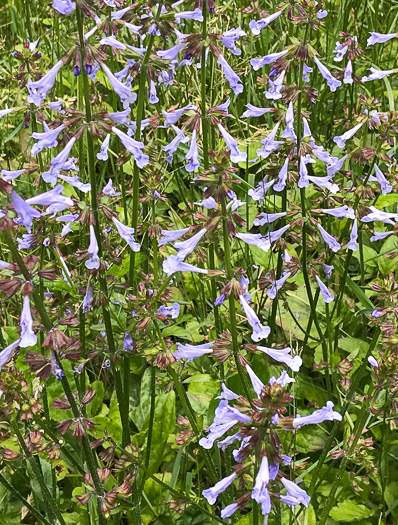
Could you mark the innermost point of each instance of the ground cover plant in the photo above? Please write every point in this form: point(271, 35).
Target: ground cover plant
point(198, 210)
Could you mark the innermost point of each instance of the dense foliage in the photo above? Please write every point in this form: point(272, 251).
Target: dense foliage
point(198, 210)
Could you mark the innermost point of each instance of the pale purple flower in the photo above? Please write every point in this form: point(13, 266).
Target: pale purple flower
point(380, 216)
point(172, 52)
point(257, 25)
point(134, 147)
point(113, 42)
point(385, 186)
point(270, 145)
point(255, 239)
point(228, 440)
point(174, 264)
point(324, 182)
point(319, 416)
point(259, 331)
point(334, 168)
point(378, 236)
point(212, 494)
point(76, 183)
point(46, 139)
point(27, 242)
point(125, 94)
point(306, 71)
point(232, 78)
point(53, 199)
point(283, 380)
point(8, 352)
point(274, 91)
point(260, 191)
point(328, 269)
point(260, 491)
point(134, 29)
point(88, 299)
point(93, 249)
point(268, 218)
point(322, 13)
point(128, 343)
point(295, 495)
point(277, 285)
point(283, 356)
point(191, 352)
point(329, 239)
point(58, 162)
point(303, 181)
point(282, 176)
point(193, 155)
point(229, 510)
point(171, 117)
point(189, 15)
point(341, 140)
point(172, 147)
point(258, 63)
point(277, 234)
point(377, 313)
point(343, 212)
point(228, 38)
point(65, 7)
point(127, 234)
point(372, 361)
point(38, 90)
point(28, 337)
point(377, 74)
point(120, 117)
point(258, 385)
point(117, 15)
point(103, 154)
point(172, 311)
point(289, 121)
point(348, 73)
point(379, 38)
point(327, 296)
point(227, 393)
point(332, 82)
point(153, 98)
point(55, 368)
point(254, 111)
point(5, 112)
point(110, 190)
point(25, 212)
point(232, 145)
point(353, 244)
point(171, 235)
point(11, 174)
point(184, 248)
point(340, 50)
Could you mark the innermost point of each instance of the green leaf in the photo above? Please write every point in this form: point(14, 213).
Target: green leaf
point(13, 132)
point(349, 511)
point(387, 265)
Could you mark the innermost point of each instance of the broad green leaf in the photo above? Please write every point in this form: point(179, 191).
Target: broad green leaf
point(349, 511)
point(387, 265)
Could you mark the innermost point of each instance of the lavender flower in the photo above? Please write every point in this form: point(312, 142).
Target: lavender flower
point(38, 90)
point(277, 285)
point(172, 311)
point(125, 94)
point(282, 176)
point(25, 212)
point(260, 491)
point(232, 78)
point(228, 38)
point(378, 236)
point(334, 168)
point(229, 510)
point(258, 385)
point(295, 495)
point(184, 248)
point(110, 190)
point(232, 145)
point(174, 264)
point(277, 234)
point(319, 416)
point(341, 140)
point(65, 7)
point(377, 74)
point(372, 361)
point(5, 112)
point(28, 337)
point(257, 25)
point(58, 162)
point(268, 218)
point(134, 147)
point(53, 199)
point(306, 71)
point(173, 146)
point(8, 352)
point(212, 494)
point(327, 296)
point(255, 239)
point(329, 239)
point(274, 92)
point(11, 174)
point(258, 63)
point(172, 52)
point(385, 186)
point(380, 216)
point(88, 299)
point(379, 38)
point(303, 181)
point(283, 356)
point(254, 111)
point(120, 117)
point(344, 212)
point(93, 249)
point(55, 368)
point(348, 73)
point(47, 139)
point(189, 15)
point(340, 50)
point(259, 193)
point(353, 244)
point(289, 121)
point(270, 145)
point(191, 352)
point(328, 269)
point(259, 331)
point(171, 235)
point(332, 82)
point(172, 117)
point(193, 155)
point(127, 234)
point(324, 182)
point(112, 42)
point(283, 380)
